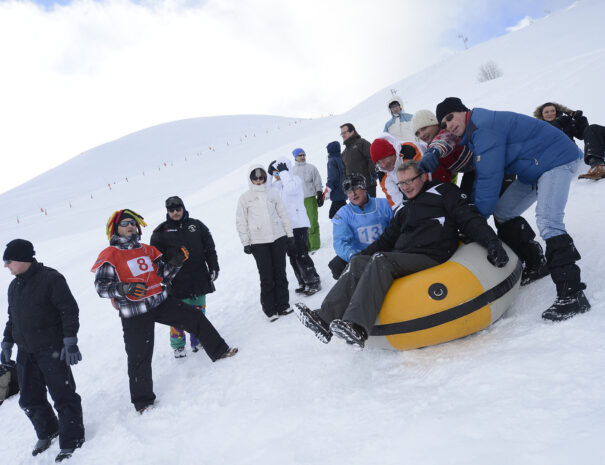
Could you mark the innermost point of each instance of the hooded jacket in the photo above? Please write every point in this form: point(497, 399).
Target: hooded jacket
point(336, 173)
point(400, 125)
point(261, 216)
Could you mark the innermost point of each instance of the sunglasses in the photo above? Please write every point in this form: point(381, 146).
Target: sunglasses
point(175, 209)
point(258, 178)
point(446, 120)
point(408, 182)
point(128, 222)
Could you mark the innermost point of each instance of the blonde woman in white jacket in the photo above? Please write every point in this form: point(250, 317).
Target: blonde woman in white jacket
point(264, 230)
point(290, 189)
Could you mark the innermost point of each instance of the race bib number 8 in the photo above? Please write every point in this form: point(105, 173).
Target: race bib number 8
point(140, 265)
point(368, 234)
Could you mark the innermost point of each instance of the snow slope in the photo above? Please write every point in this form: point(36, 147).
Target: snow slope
point(522, 391)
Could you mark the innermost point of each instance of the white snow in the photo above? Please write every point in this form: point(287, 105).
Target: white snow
point(523, 391)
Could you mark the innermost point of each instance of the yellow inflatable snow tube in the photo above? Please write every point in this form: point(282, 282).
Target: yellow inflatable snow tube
point(446, 302)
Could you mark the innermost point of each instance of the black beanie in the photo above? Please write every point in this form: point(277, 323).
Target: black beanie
point(174, 201)
point(125, 214)
point(19, 250)
point(449, 105)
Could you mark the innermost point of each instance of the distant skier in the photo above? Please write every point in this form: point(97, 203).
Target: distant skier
point(544, 160)
point(134, 276)
point(336, 173)
point(290, 190)
point(43, 320)
point(265, 232)
point(196, 278)
point(313, 192)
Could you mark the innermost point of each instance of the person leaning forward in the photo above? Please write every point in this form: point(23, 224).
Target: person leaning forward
point(43, 322)
point(422, 234)
point(133, 275)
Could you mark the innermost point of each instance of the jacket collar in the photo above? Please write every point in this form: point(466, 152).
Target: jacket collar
point(351, 140)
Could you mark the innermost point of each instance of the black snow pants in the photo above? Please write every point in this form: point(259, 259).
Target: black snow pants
point(139, 340)
point(594, 145)
point(271, 263)
point(38, 372)
point(302, 263)
point(358, 294)
point(336, 205)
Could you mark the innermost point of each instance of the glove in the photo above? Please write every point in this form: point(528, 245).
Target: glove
point(577, 114)
point(281, 167)
point(132, 289)
point(70, 352)
point(181, 256)
point(327, 193)
point(291, 246)
point(429, 162)
point(247, 249)
point(213, 275)
point(7, 351)
point(320, 199)
point(496, 254)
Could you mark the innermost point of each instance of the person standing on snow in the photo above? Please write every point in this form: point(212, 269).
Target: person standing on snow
point(445, 154)
point(43, 320)
point(196, 278)
point(356, 156)
point(358, 223)
point(313, 194)
point(265, 232)
point(291, 192)
point(400, 124)
point(336, 173)
point(544, 160)
point(134, 276)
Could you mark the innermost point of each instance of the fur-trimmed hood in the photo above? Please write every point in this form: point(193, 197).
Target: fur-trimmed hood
point(558, 107)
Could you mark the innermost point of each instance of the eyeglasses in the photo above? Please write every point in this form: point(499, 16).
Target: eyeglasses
point(174, 209)
point(127, 222)
point(446, 119)
point(408, 182)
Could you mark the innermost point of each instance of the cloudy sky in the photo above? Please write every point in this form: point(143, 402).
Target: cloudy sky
point(76, 74)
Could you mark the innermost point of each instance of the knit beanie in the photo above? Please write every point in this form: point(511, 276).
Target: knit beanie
point(174, 201)
point(381, 148)
point(19, 250)
point(422, 119)
point(297, 152)
point(449, 105)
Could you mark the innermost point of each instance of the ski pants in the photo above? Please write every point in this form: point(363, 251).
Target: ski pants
point(139, 339)
point(358, 294)
point(594, 145)
point(302, 263)
point(336, 205)
point(271, 263)
point(177, 336)
point(38, 372)
point(314, 241)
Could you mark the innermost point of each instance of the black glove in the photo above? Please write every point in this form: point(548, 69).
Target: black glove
point(320, 199)
point(577, 114)
point(132, 289)
point(70, 352)
point(213, 275)
point(496, 254)
point(281, 167)
point(247, 249)
point(291, 246)
point(180, 257)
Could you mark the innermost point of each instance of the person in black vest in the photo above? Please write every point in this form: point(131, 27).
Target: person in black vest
point(196, 277)
point(43, 322)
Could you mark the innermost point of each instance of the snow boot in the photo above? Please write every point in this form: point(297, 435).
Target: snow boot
point(300, 289)
point(65, 454)
point(595, 173)
point(519, 236)
point(195, 348)
point(561, 256)
point(230, 352)
point(285, 312)
point(43, 444)
point(349, 331)
point(313, 289)
point(312, 320)
point(180, 352)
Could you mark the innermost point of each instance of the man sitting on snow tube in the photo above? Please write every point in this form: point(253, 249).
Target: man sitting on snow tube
point(423, 234)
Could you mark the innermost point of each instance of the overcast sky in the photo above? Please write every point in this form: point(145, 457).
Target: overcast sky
point(76, 74)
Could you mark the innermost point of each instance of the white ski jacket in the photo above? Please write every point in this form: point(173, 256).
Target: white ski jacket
point(290, 190)
point(261, 216)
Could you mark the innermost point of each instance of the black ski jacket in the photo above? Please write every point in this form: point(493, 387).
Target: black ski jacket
point(429, 223)
point(194, 277)
point(41, 310)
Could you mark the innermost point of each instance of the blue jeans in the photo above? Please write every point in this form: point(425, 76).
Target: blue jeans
point(551, 193)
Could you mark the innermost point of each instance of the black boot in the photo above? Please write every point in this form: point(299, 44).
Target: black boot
point(43, 444)
point(519, 236)
point(561, 256)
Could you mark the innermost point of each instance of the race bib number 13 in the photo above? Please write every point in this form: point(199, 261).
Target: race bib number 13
point(140, 265)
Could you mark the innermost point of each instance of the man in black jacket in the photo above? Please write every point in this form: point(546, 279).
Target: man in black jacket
point(43, 322)
point(422, 234)
point(196, 277)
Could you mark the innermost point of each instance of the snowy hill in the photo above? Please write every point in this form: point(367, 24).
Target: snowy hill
point(522, 391)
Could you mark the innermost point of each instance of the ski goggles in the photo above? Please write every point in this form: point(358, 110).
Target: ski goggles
point(351, 185)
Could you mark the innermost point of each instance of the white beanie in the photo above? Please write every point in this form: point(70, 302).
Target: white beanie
point(422, 119)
